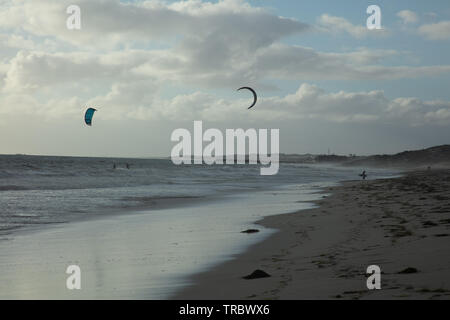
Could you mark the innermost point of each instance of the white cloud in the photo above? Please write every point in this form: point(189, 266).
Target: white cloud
point(418, 112)
point(308, 102)
point(293, 62)
point(436, 31)
point(37, 70)
point(190, 65)
point(312, 102)
point(408, 16)
point(335, 24)
point(141, 100)
point(111, 22)
point(221, 45)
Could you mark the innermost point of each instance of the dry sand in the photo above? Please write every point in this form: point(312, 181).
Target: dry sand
point(323, 253)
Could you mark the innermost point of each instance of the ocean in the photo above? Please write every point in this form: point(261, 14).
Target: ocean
point(148, 221)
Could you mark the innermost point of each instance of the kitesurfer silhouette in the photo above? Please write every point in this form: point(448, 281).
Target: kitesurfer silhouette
point(363, 175)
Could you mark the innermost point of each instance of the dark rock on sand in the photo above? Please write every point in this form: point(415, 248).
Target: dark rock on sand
point(257, 274)
point(408, 271)
point(250, 231)
point(428, 224)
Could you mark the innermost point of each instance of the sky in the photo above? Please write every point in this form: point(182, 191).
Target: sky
point(323, 78)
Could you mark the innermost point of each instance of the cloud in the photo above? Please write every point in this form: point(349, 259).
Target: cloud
point(436, 31)
point(290, 62)
point(38, 70)
point(112, 23)
point(206, 44)
point(418, 112)
point(308, 102)
point(338, 24)
point(187, 65)
point(333, 24)
point(214, 45)
point(312, 102)
point(408, 16)
point(141, 100)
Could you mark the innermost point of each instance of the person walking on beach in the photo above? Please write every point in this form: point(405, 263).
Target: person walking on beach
point(363, 175)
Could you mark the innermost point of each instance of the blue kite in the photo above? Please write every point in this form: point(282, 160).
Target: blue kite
point(88, 116)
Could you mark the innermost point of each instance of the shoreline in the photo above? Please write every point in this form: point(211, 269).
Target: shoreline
point(153, 261)
point(122, 205)
point(401, 224)
point(149, 205)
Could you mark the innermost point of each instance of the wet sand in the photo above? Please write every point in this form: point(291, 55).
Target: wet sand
point(402, 225)
point(147, 254)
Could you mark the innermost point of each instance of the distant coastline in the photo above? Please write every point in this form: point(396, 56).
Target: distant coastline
point(434, 156)
point(437, 155)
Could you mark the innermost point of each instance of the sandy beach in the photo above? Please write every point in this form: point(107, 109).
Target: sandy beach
point(401, 224)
